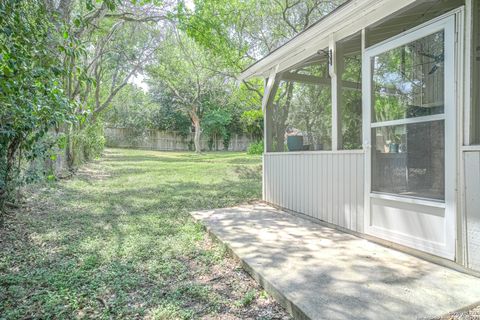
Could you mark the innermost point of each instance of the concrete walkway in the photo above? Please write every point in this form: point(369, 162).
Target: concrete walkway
point(320, 273)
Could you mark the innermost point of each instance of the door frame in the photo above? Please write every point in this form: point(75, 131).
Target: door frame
point(445, 22)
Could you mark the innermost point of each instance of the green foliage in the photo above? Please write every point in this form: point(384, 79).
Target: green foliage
point(252, 121)
point(167, 116)
point(215, 124)
point(90, 140)
point(255, 148)
point(248, 298)
point(31, 97)
point(240, 31)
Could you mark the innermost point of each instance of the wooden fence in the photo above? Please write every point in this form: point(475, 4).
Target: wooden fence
point(167, 141)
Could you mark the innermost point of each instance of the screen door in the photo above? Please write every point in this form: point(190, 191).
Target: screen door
point(409, 96)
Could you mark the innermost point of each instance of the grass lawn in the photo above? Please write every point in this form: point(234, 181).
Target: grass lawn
point(116, 241)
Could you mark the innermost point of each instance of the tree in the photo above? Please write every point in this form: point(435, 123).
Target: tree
point(236, 33)
point(32, 99)
point(107, 43)
point(252, 121)
point(215, 125)
point(181, 70)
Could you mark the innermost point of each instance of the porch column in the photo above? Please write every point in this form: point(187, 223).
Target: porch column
point(335, 70)
point(268, 95)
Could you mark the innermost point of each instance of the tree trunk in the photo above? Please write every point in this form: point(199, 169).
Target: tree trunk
point(69, 149)
point(198, 147)
point(5, 191)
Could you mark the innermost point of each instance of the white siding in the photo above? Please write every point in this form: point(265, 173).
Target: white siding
point(472, 207)
point(325, 185)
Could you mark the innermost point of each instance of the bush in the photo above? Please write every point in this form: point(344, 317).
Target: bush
point(88, 143)
point(255, 148)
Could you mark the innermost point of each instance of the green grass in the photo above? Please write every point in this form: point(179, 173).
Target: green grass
point(116, 241)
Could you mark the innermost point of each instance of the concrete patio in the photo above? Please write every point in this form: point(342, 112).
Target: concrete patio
point(318, 272)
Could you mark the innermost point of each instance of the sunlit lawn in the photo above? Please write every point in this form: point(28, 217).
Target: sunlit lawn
point(116, 241)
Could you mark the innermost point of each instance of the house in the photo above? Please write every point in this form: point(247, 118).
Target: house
point(372, 124)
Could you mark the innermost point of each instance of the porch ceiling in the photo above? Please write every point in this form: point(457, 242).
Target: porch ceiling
point(321, 273)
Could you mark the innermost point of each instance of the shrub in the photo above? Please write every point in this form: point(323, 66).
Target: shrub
point(87, 143)
point(255, 148)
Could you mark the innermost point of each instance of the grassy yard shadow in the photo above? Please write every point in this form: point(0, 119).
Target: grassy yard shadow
point(117, 241)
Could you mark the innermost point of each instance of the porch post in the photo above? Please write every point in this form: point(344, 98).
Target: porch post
point(335, 70)
point(270, 87)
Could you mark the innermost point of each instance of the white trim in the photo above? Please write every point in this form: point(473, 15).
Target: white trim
point(445, 22)
point(430, 247)
point(451, 95)
point(268, 87)
point(472, 148)
point(356, 151)
point(434, 117)
point(463, 127)
point(468, 56)
point(332, 68)
point(407, 199)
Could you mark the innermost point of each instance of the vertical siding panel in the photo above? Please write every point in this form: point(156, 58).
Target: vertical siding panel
point(283, 181)
point(472, 207)
point(330, 188)
point(296, 163)
point(274, 177)
point(285, 174)
point(336, 213)
point(350, 176)
point(269, 180)
point(360, 194)
point(353, 193)
point(300, 184)
point(278, 176)
point(317, 185)
point(346, 191)
point(271, 172)
point(288, 181)
point(321, 179)
point(266, 176)
point(341, 190)
point(325, 184)
point(306, 195)
point(308, 186)
point(298, 160)
point(278, 180)
point(291, 174)
point(314, 185)
point(301, 181)
point(291, 171)
point(335, 170)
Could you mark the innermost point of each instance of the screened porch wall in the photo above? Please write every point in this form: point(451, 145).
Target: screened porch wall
point(328, 186)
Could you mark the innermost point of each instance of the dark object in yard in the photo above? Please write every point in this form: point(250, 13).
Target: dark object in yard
point(295, 143)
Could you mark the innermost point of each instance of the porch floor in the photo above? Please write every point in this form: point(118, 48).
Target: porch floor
point(321, 273)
